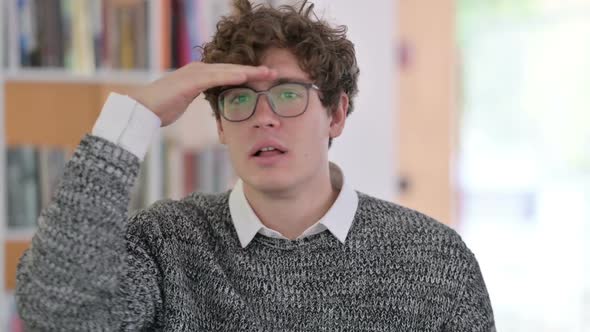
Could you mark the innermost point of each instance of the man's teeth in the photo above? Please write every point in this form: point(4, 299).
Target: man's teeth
point(267, 149)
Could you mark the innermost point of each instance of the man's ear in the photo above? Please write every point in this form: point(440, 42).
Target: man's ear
point(338, 117)
point(220, 132)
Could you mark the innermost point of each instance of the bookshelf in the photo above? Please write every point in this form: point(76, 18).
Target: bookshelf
point(4, 315)
point(48, 105)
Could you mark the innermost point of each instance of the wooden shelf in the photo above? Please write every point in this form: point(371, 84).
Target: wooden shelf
point(50, 113)
point(60, 75)
point(13, 252)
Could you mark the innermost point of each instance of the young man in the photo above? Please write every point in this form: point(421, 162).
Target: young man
point(291, 248)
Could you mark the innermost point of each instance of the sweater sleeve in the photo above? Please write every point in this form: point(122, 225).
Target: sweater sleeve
point(473, 310)
point(81, 272)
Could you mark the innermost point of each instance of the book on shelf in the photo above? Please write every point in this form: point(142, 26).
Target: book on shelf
point(139, 191)
point(186, 25)
point(32, 176)
point(83, 35)
point(22, 182)
point(186, 170)
point(52, 162)
point(6, 37)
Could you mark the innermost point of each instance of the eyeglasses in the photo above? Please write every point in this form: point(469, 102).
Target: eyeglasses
point(286, 100)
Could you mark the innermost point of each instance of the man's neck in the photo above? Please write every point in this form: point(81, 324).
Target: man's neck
point(292, 213)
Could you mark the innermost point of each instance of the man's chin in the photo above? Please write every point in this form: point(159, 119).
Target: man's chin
point(269, 184)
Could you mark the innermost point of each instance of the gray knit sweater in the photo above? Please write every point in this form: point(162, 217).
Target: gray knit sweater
point(179, 266)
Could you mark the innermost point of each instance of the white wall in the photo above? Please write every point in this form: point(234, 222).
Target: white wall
point(366, 149)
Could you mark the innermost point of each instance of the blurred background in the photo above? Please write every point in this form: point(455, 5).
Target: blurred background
point(474, 112)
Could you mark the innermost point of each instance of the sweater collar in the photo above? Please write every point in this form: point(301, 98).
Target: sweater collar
point(338, 219)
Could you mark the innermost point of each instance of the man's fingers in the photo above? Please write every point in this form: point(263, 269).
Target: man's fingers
point(169, 96)
point(226, 78)
point(236, 74)
point(264, 74)
point(228, 74)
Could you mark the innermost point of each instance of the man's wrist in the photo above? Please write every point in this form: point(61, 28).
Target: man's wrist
point(127, 123)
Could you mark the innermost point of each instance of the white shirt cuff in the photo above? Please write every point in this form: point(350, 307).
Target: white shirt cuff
point(127, 123)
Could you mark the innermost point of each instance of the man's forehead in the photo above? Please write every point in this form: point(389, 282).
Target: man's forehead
point(282, 60)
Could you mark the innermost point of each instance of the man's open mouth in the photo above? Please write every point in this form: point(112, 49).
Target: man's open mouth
point(268, 152)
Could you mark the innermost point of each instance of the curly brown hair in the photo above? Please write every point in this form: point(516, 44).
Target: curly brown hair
point(323, 52)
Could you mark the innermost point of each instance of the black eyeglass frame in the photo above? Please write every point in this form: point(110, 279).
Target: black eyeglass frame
point(258, 93)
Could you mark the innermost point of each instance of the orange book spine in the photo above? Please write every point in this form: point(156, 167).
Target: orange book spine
point(165, 10)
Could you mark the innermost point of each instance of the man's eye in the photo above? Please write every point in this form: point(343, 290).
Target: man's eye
point(288, 95)
point(240, 99)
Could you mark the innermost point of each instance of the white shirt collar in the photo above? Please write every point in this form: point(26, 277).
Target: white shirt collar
point(338, 219)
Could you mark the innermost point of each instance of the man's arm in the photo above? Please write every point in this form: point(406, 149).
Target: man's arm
point(78, 266)
point(473, 310)
point(88, 269)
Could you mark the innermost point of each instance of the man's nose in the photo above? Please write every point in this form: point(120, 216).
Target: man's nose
point(263, 114)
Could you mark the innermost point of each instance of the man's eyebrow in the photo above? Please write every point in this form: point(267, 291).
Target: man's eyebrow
point(288, 80)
